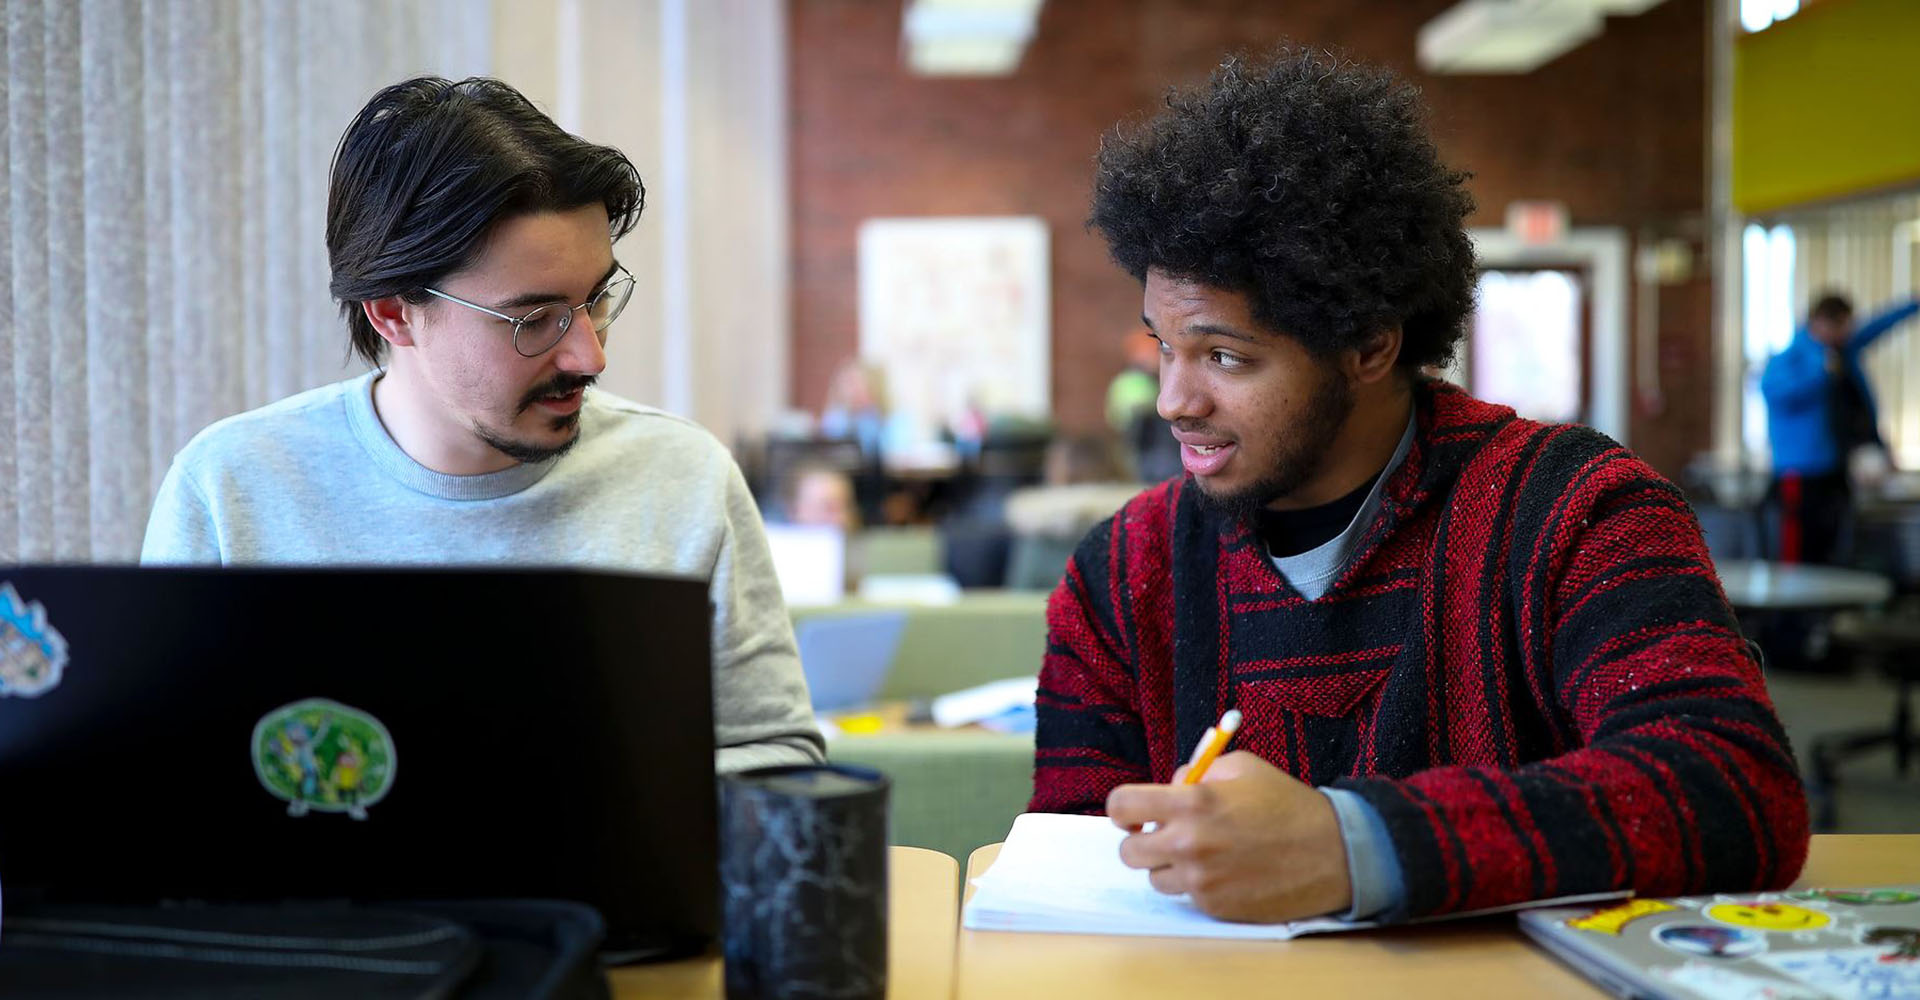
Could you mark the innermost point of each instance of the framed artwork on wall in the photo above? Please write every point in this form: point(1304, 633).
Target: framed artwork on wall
point(957, 312)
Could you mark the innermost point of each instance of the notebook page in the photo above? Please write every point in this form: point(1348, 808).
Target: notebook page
point(1063, 874)
point(1074, 852)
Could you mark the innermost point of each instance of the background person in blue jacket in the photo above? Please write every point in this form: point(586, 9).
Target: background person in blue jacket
point(1819, 410)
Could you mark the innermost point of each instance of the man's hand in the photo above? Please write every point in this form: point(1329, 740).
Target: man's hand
point(1249, 842)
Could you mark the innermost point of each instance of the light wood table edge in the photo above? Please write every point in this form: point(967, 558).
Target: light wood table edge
point(921, 950)
point(923, 920)
point(1833, 861)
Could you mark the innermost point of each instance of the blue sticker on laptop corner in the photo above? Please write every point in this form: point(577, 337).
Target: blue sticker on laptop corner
point(318, 754)
point(1711, 940)
point(33, 654)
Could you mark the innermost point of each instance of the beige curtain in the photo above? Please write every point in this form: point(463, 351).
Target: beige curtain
point(1870, 251)
point(695, 93)
point(162, 256)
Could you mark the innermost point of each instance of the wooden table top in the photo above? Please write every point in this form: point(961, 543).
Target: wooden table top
point(923, 891)
point(1473, 959)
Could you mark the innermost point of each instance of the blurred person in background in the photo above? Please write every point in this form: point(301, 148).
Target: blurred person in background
point(1084, 485)
point(1133, 391)
point(818, 495)
point(822, 496)
point(856, 406)
point(1146, 438)
point(1076, 459)
point(1820, 416)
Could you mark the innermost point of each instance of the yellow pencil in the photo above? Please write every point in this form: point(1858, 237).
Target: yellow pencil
point(1212, 743)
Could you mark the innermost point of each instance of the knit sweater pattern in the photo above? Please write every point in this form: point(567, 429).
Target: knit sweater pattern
point(1528, 668)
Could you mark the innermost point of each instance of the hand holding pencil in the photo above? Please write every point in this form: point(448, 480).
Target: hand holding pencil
point(1242, 838)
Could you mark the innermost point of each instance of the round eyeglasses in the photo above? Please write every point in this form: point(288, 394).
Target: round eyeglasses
point(535, 333)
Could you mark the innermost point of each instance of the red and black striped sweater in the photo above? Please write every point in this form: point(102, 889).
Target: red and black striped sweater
point(1528, 667)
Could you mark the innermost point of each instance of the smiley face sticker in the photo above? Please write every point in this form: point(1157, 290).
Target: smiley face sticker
point(1778, 917)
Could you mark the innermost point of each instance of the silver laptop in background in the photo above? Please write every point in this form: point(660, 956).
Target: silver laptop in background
point(1818, 944)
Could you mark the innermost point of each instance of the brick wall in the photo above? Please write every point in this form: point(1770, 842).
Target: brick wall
point(1615, 129)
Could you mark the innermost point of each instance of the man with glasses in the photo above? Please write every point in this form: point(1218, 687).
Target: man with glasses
point(471, 246)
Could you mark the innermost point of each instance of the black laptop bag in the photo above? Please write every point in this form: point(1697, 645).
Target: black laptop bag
point(467, 950)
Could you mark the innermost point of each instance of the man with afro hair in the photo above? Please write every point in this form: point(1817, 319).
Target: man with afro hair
point(1480, 659)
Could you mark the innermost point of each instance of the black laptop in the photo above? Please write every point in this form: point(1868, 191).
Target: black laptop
point(248, 734)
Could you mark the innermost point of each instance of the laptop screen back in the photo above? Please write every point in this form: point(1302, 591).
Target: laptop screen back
point(810, 562)
point(264, 734)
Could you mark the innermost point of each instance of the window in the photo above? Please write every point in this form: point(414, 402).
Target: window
point(1758, 14)
point(1767, 316)
point(1527, 345)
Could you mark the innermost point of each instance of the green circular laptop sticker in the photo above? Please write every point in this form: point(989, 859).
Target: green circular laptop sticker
point(1859, 897)
point(321, 755)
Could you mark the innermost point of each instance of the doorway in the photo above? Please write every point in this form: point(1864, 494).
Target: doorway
point(1528, 343)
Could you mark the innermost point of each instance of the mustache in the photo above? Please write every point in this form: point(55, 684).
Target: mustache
point(559, 385)
point(1189, 425)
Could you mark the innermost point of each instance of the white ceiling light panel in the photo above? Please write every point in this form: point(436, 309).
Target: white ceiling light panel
point(968, 37)
point(1515, 36)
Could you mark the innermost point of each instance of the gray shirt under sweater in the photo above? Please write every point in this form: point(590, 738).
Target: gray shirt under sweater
point(316, 480)
point(1373, 871)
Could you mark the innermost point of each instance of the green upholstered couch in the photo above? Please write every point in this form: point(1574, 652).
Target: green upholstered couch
point(953, 791)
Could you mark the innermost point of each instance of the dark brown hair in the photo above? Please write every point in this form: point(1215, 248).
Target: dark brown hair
point(1831, 306)
point(429, 167)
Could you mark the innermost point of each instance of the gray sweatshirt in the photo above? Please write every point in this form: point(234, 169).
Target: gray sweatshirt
point(315, 479)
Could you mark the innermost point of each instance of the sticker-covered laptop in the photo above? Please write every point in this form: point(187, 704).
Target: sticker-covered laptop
point(201, 734)
point(1816, 944)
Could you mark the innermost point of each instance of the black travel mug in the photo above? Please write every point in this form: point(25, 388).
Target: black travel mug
point(803, 880)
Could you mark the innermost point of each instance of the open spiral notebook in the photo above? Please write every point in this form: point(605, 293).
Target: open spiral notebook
point(1062, 874)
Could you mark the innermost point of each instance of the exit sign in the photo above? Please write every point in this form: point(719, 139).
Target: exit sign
point(1537, 223)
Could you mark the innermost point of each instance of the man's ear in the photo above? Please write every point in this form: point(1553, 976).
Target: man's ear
point(392, 319)
point(1375, 358)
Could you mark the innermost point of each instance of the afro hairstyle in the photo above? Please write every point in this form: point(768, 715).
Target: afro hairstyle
point(1309, 184)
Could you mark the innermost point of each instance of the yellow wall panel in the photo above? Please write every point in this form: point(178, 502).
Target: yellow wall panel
point(1826, 104)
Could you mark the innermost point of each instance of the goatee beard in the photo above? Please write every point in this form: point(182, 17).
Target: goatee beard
point(1312, 436)
point(527, 452)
